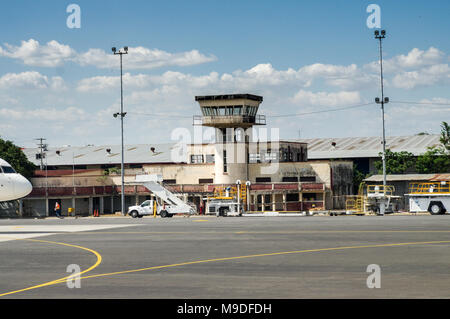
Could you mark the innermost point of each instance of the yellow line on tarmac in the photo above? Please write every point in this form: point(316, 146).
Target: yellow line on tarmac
point(262, 255)
point(53, 282)
point(257, 232)
point(61, 280)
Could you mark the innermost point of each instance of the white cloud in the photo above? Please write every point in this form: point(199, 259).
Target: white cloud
point(437, 100)
point(44, 114)
point(415, 58)
point(58, 83)
point(143, 58)
point(54, 54)
point(31, 80)
point(259, 77)
point(427, 76)
point(25, 80)
point(342, 98)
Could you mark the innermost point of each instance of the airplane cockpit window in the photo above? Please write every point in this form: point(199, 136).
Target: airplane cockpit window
point(8, 170)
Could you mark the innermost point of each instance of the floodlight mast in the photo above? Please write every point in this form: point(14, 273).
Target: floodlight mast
point(381, 35)
point(122, 115)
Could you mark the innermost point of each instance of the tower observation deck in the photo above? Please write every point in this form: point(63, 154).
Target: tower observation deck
point(229, 111)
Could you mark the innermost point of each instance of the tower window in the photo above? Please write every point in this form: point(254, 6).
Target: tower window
point(196, 159)
point(225, 168)
point(210, 158)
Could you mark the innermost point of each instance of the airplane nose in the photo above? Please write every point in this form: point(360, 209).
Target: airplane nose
point(23, 187)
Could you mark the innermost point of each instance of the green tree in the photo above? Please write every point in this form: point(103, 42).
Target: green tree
point(358, 178)
point(15, 156)
point(445, 136)
point(437, 158)
point(396, 162)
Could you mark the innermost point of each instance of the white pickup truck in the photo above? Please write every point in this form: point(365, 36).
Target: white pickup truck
point(138, 211)
point(148, 208)
point(167, 206)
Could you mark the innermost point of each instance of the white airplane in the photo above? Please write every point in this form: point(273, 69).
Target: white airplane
point(12, 185)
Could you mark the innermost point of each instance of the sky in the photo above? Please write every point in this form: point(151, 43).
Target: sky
point(306, 58)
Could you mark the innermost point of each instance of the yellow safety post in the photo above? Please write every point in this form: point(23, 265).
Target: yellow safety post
point(154, 208)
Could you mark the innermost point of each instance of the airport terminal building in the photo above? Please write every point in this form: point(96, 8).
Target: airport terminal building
point(281, 176)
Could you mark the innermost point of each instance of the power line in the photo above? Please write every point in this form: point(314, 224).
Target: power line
point(343, 108)
point(324, 111)
point(424, 103)
point(174, 116)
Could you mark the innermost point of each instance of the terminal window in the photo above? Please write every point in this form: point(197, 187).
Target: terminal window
point(195, 159)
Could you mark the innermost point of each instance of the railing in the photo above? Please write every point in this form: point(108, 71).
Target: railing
point(212, 119)
point(428, 188)
point(197, 120)
point(387, 190)
point(221, 192)
point(354, 203)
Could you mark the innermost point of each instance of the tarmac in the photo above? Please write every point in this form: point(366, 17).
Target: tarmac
point(226, 257)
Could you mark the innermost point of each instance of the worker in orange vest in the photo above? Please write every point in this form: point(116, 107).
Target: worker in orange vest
point(58, 210)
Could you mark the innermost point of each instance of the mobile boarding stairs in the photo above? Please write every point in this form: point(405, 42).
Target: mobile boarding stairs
point(168, 202)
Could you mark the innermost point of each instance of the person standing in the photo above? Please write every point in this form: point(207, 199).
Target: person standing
point(58, 210)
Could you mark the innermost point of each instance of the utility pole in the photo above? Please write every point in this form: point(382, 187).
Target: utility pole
point(122, 115)
point(41, 153)
point(384, 100)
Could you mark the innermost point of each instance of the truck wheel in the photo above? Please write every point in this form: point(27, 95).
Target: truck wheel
point(164, 214)
point(435, 208)
point(169, 215)
point(134, 214)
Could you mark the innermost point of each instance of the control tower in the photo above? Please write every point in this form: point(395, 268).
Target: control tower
point(232, 116)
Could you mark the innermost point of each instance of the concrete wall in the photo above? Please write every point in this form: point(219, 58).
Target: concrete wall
point(182, 173)
point(276, 171)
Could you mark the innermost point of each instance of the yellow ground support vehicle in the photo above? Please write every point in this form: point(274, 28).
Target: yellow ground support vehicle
point(227, 200)
point(433, 197)
point(371, 198)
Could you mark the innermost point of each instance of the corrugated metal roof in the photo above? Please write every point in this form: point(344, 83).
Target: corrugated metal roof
point(318, 148)
point(409, 177)
point(358, 147)
point(98, 155)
